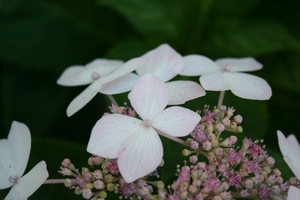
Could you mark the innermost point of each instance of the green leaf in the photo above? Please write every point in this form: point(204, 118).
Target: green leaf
point(36, 37)
point(252, 38)
point(151, 18)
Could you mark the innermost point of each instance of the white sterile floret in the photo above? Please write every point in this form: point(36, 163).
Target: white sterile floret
point(226, 74)
point(290, 150)
point(104, 76)
point(14, 153)
point(165, 63)
point(135, 142)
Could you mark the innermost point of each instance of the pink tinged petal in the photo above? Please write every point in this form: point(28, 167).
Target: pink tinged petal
point(79, 75)
point(248, 86)
point(293, 163)
point(123, 70)
point(182, 91)
point(215, 81)
point(293, 193)
point(149, 96)
point(74, 76)
point(294, 144)
point(20, 143)
point(120, 85)
point(195, 65)
point(291, 157)
point(29, 183)
point(6, 164)
point(176, 121)
point(141, 154)
point(110, 133)
point(83, 98)
point(284, 144)
point(163, 62)
point(239, 64)
point(103, 66)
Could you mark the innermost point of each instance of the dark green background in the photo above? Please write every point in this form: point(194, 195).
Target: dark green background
point(40, 38)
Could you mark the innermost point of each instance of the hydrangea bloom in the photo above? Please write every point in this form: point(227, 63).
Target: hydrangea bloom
point(165, 63)
point(135, 142)
point(104, 76)
point(225, 74)
point(14, 153)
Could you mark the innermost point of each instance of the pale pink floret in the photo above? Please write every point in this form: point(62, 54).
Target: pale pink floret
point(14, 153)
point(226, 74)
point(165, 63)
point(135, 142)
point(104, 76)
point(290, 150)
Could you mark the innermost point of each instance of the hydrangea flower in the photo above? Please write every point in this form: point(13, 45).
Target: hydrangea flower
point(226, 74)
point(290, 150)
point(14, 153)
point(165, 63)
point(135, 142)
point(104, 76)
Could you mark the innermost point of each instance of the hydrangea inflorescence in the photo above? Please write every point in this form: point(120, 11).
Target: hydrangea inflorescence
point(127, 152)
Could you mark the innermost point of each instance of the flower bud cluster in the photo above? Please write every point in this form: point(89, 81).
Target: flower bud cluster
point(104, 178)
point(230, 172)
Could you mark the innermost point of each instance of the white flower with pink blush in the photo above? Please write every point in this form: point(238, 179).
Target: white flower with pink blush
point(165, 63)
point(14, 153)
point(104, 76)
point(226, 74)
point(135, 142)
point(290, 150)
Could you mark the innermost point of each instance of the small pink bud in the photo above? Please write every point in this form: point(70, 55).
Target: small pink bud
point(220, 128)
point(99, 184)
point(226, 121)
point(193, 159)
point(238, 119)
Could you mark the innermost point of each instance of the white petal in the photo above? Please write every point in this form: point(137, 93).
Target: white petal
point(120, 85)
point(182, 91)
point(110, 133)
point(248, 86)
point(74, 76)
point(149, 96)
point(214, 81)
point(195, 65)
point(141, 155)
point(293, 163)
point(176, 121)
point(239, 64)
point(20, 143)
point(293, 193)
point(5, 162)
point(83, 98)
point(79, 75)
point(283, 144)
point(123, 70)
point(163, 62)
point(29, 183)
point(103, 66)
point(293, 142)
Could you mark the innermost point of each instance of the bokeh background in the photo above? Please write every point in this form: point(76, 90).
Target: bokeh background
point(40, 38)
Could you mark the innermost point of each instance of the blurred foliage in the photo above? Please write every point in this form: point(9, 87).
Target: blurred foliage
point(40, 38)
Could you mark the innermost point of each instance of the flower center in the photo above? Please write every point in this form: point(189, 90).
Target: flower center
point(13, 179)
point(95, 76)
point(226, 68)
point(147, 122)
